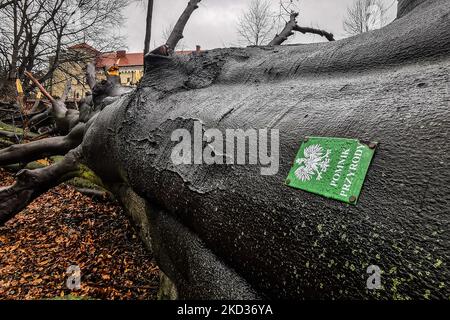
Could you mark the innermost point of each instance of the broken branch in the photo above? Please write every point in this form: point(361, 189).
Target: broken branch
point(292, 26)
point(40, 86)
point(39, 149)
point(90, 75)
point(31, 184)
point(322, 33)
point(177, 32)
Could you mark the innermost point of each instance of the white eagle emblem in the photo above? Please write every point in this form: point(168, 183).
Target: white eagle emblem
point(315, 161)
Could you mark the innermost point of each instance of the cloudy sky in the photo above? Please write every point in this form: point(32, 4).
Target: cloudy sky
point(213, 25)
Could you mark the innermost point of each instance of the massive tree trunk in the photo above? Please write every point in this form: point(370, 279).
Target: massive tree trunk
point(226, 231)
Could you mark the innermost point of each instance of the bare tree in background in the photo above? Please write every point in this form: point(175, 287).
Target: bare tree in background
point(174, 34)
point(177, 32)
point(365, 15)
point(256, 24)
point(35, 34)
point(5, 3)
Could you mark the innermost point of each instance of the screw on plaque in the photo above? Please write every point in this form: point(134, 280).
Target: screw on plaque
point(306, 139)
point(372, 145)
point(288, 181)
point(353, 199)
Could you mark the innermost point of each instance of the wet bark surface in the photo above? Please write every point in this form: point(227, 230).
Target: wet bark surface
point(389, 86)
point(226, 231)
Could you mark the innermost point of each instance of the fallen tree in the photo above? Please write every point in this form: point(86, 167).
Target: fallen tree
point(226, 231)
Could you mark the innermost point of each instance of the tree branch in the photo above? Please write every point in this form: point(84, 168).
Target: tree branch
point(292, 26)
point(30, 184)
point(177, 32)
point(65, 119)
point(148, 29)
point(90, 75)
point(39, 118)
point(25, 153)
point(322, 33)
point(40, 87)
point(10, 135)
point(5, 4)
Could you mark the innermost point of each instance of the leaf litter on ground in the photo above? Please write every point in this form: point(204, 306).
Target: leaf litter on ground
point(64, 228)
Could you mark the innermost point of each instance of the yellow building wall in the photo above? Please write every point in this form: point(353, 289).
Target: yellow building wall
point(75, 72)
point(131, 77)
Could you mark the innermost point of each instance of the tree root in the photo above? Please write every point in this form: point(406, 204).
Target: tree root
point(39, 149)
point(30, 184)
point(65, 119)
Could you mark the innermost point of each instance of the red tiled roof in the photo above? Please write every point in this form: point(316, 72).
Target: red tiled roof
point(85, 46)
point(121, 58)
point(130, 59)
point(111, 58)
point(184, 52)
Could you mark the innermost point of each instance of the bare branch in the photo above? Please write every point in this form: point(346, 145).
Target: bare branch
point(90, 75)
point(40, 87)
point(31, 184)
point(5, 4)
point(65, 119)
point(256, 24)
point(25, 153)
point(286, 32)
point(177, 32)
point(39, 34)
point(166, 32)
point(292, 26)
point(365, 15)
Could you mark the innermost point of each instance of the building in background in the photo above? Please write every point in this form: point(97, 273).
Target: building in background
point(73, 67)
point(131, 68)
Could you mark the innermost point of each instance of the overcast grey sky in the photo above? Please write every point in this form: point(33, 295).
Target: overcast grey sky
point(213, 25)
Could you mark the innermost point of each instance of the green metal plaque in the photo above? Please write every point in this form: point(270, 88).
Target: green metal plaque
point(332, 167)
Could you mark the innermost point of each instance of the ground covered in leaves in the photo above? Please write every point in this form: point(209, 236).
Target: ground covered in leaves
point(64, 228)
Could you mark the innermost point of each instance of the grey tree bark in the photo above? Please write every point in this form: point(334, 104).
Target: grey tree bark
point(32, 183)
point(228, 232)
point(42, 148)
